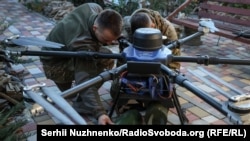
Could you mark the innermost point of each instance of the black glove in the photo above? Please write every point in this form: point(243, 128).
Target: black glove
point(123, 43)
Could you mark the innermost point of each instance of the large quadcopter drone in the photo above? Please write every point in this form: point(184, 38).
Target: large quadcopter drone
point(143, 75)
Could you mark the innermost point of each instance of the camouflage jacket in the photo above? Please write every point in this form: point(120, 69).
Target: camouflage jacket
point(75, 31)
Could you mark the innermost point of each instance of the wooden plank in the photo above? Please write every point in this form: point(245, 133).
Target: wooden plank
point(235, 1)
point(226, 9)
point(185, 23)
point(224, 18)
point(230, 35)
point(228, 26)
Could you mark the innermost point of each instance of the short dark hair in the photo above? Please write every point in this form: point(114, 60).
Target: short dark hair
point(110, 19)
point(139, 20)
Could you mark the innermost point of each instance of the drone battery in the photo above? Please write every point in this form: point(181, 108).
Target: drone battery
point(143, 67)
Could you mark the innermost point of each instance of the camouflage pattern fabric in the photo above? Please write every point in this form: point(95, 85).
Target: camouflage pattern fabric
point(105, 64)
point(131, 117)
point(155, 114)
point(63, 70)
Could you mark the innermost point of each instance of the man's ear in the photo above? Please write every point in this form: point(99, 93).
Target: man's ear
point(94, 27)
point(152, 25)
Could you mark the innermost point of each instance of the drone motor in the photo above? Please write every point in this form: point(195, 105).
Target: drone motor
point(147, 47)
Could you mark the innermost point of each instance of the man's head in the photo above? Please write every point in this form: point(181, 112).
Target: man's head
point(140, 20)
point(108, 26)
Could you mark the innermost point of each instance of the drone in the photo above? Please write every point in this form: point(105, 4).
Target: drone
point(144, 69)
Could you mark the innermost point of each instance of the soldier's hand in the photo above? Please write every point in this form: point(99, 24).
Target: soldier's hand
point(104, 120)
point(106, 63)
point(123, 43)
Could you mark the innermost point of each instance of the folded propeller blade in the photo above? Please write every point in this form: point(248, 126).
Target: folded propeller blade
point(24, 41)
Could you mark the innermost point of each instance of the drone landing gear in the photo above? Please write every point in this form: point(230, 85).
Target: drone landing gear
point(173, 102)
point(144, 81)
point(181, 112)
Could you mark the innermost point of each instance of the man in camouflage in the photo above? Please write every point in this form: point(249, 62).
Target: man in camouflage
point(86, 28)
point(156, 112)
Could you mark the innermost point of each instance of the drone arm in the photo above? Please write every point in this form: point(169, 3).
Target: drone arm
point(102, 77)
point(222, 107)
point(47, 53)
point(174, 44)
point(206, 60)
point(83, 54)
point(199, 59)
point(182, 81)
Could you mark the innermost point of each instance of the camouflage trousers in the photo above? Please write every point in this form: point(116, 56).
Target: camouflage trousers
point(155, 114)
point(62, 70)
point(175, 65)
point(59, 72)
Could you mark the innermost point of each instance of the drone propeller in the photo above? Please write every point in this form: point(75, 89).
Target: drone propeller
point(25, 41)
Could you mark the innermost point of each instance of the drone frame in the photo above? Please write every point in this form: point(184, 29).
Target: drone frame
point(74, 118)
